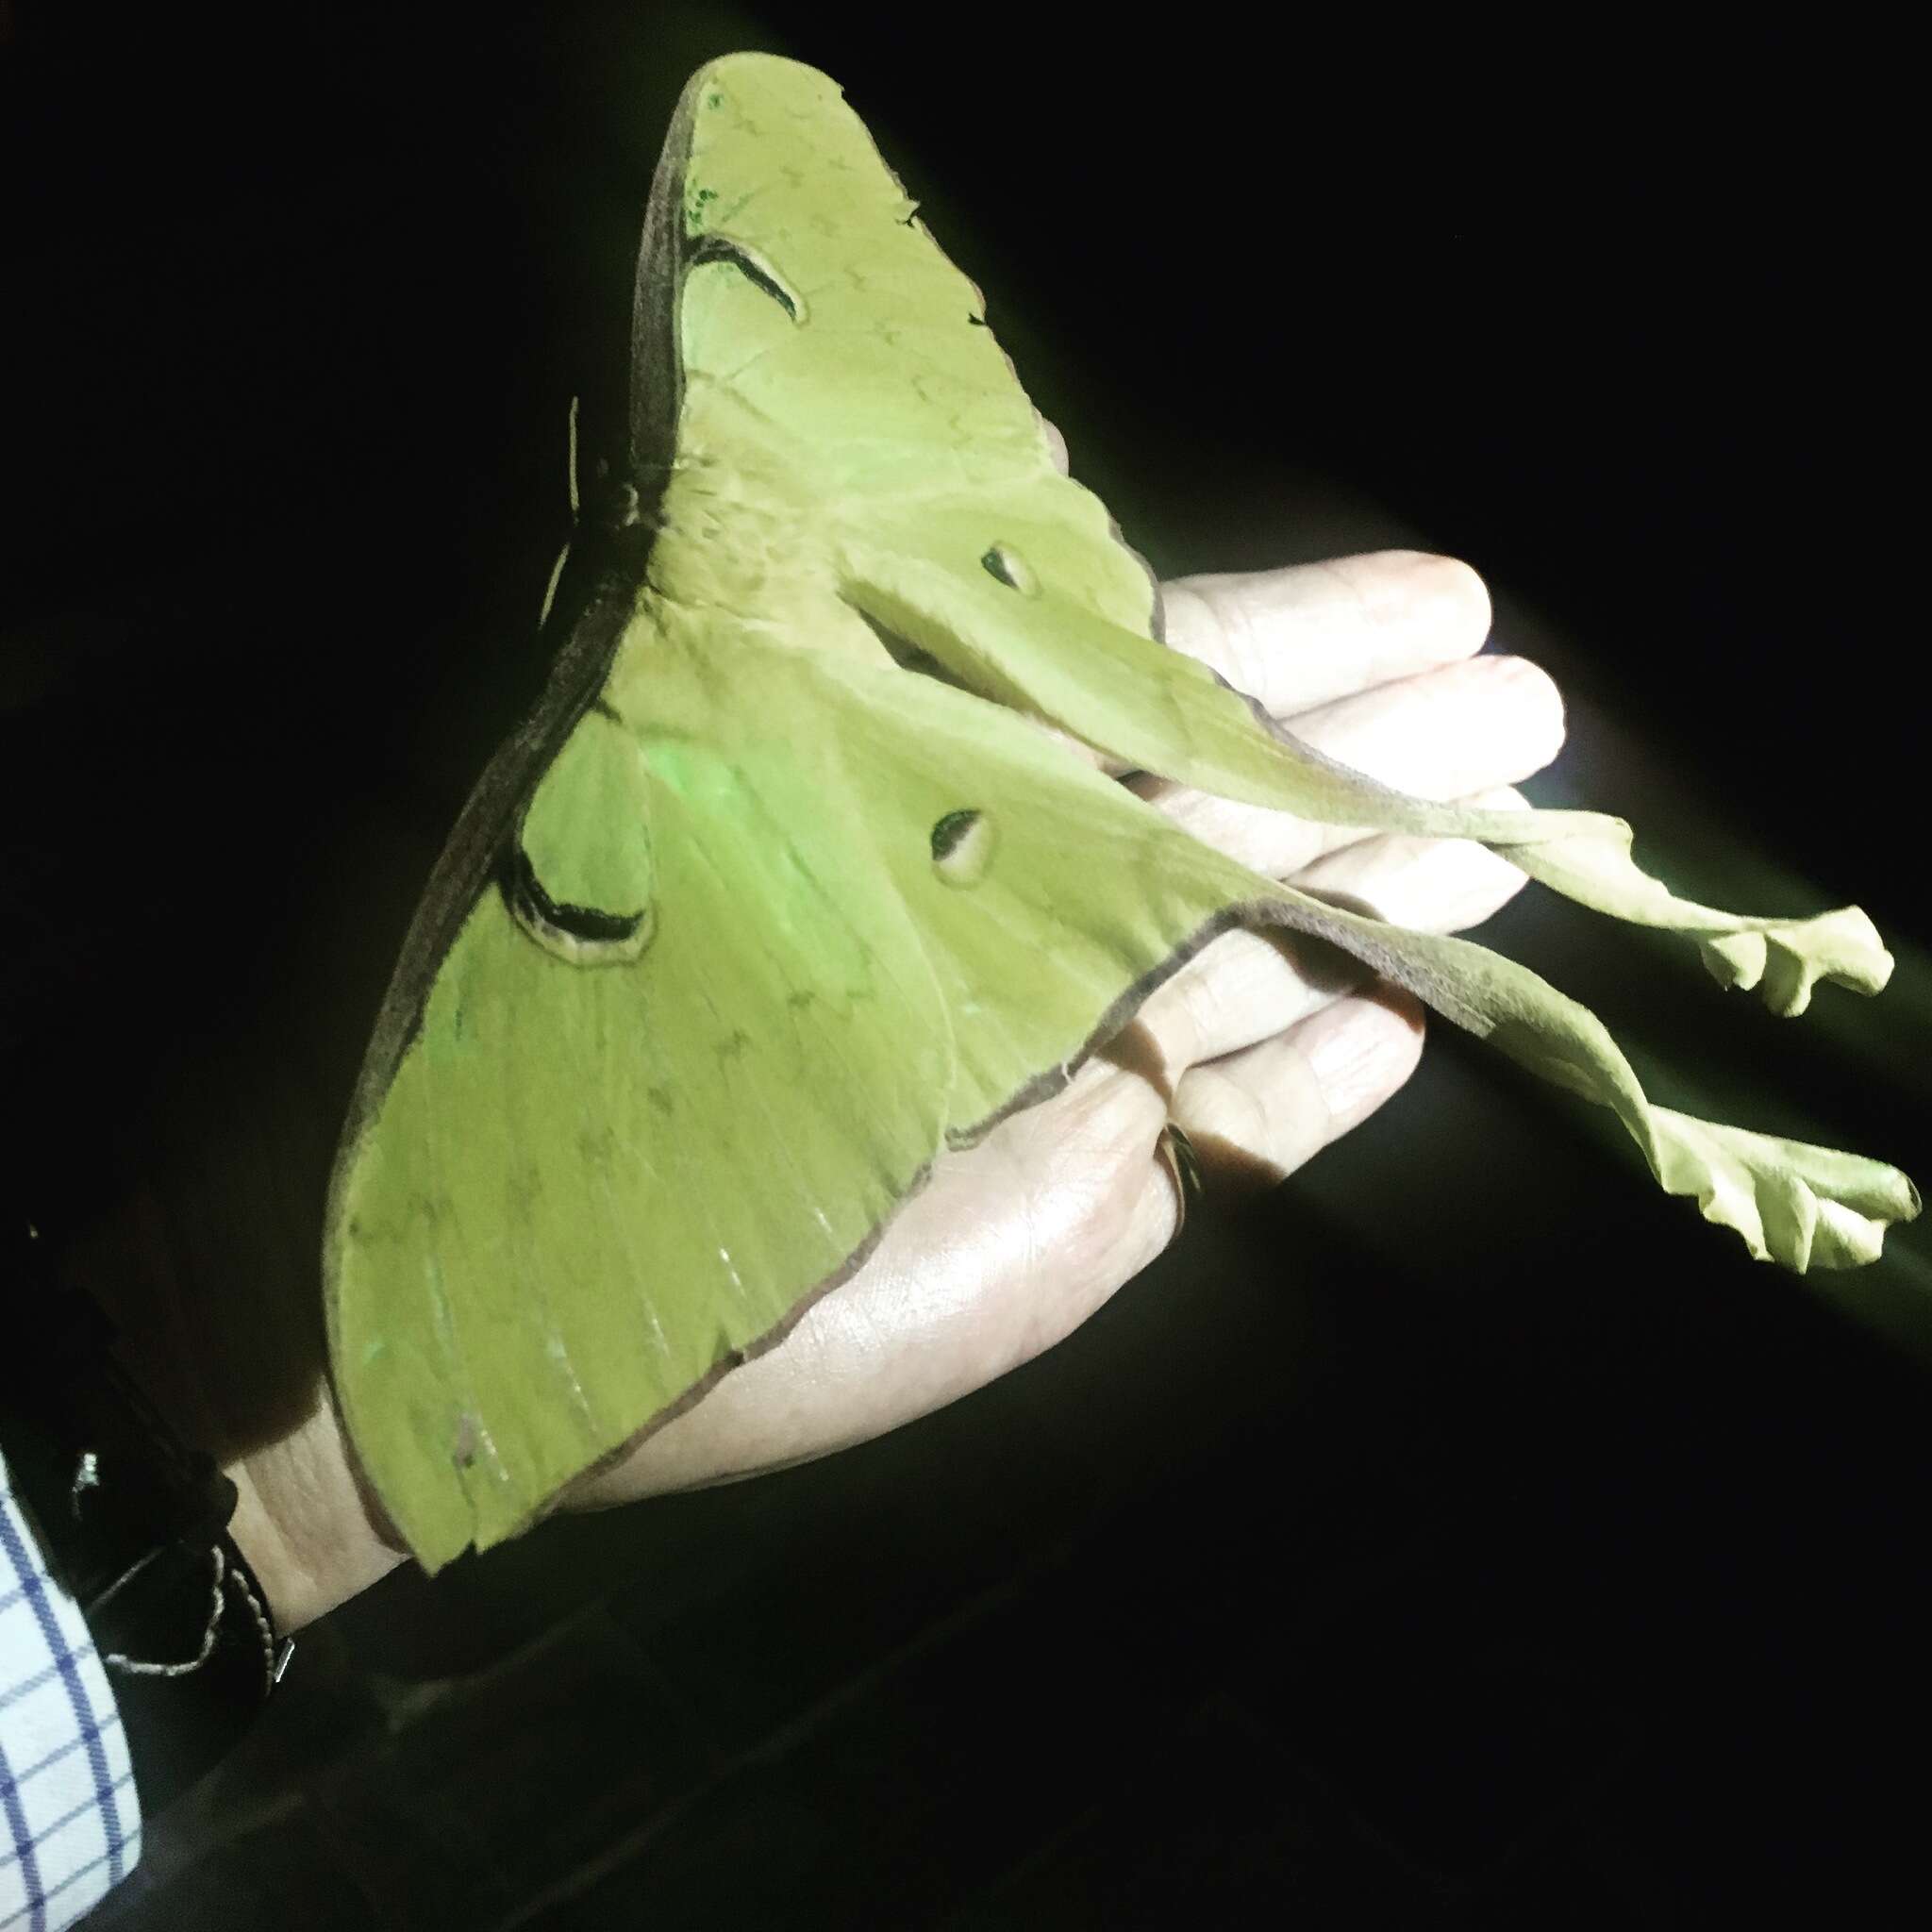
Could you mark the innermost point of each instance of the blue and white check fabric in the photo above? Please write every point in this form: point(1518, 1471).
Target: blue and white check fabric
point(69, 1821)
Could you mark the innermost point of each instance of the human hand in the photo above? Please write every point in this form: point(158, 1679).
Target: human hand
point(1264, 1048)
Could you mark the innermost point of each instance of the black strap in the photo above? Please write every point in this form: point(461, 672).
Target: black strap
point(136, 1527)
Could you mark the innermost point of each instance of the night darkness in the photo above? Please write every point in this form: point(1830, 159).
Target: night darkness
point(1574, 1573)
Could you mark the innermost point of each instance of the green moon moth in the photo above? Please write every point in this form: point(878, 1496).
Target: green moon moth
point(752, 920)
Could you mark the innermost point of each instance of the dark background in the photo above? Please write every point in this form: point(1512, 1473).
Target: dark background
point(1469, 1534)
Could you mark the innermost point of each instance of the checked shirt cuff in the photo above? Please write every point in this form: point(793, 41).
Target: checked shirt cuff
point(70, 1820)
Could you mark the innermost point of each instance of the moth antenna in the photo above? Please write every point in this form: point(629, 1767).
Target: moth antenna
point(574, 504)
point(550, 588)
point(563, 554)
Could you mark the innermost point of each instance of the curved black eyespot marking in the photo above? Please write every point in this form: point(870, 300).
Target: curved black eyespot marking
point(1005, 564)
point(950, 833)
point(590, 923)
point(963, 844)
point(750, 265)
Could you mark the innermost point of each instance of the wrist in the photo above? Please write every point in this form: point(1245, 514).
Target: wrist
point(302, 1522)
point(300, 1518)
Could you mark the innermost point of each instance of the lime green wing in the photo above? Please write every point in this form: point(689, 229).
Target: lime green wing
point(781, 892)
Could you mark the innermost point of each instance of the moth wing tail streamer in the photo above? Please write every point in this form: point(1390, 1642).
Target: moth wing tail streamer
point(1145, 895)
point(1049, 652)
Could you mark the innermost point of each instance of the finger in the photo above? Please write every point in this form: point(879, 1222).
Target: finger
point(1257, 1115)
point(1248, 986)
point(1443, 735)
point(1300, 636)
point(1427, 885)
point(1101, 1202)
point(1245, 987)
